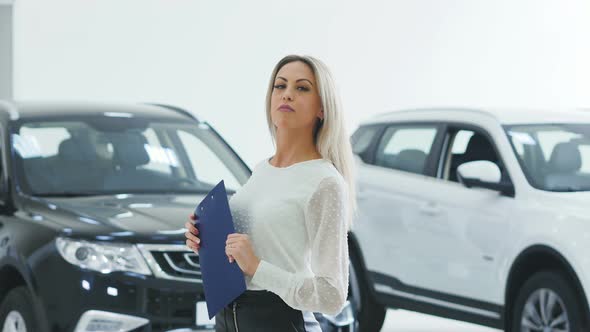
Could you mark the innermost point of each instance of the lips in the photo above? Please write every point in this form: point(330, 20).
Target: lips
point(286, 108)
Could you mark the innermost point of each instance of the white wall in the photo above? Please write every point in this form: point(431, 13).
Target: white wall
point(214, 57)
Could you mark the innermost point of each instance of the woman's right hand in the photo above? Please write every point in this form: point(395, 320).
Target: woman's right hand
point(192, 240)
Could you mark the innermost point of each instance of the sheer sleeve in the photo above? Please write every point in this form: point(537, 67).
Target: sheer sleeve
point(326, 291)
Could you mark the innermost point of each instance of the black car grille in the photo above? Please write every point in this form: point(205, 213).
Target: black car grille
point(179, 264)
point(172, 262)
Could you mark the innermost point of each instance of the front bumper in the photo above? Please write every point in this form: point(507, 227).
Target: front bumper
point(73, 298)
point(96, 320)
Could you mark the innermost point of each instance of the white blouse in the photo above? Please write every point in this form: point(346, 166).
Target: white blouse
point(296, 218)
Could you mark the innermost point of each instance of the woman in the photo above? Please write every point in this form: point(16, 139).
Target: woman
point(293, 215)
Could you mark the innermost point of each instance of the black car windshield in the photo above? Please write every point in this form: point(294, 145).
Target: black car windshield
point(554, 157)
point(96, 155)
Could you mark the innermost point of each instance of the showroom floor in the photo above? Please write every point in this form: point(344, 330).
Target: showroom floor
point(407, 321)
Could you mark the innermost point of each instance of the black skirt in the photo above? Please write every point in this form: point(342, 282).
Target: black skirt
point(259, 311)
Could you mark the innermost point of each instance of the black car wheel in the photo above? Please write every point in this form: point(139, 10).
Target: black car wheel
point(547, 302)
point(16, 312)
point(368, 312)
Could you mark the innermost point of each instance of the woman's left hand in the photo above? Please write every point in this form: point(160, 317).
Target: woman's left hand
point(240, 248)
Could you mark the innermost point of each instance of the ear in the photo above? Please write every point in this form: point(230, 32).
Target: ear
point(321, 114)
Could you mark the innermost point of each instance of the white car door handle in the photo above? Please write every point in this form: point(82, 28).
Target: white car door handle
point(430, 209)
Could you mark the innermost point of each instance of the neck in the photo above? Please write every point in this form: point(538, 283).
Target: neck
point(294, 145)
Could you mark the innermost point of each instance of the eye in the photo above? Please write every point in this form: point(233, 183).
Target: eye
point(279, 86)
point(303, 88)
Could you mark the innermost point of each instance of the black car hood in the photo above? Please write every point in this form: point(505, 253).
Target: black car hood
point(147, 218)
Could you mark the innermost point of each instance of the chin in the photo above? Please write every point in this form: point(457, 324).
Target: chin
point(288, 125)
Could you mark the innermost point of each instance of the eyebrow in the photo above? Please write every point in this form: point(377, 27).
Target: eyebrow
point(301, 79)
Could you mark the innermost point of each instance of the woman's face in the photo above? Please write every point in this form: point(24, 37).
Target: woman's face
point(295, 102)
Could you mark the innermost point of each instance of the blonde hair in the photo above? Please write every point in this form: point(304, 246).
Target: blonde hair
point(330, 135)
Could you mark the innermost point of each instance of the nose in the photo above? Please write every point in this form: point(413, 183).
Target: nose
point(287, 95)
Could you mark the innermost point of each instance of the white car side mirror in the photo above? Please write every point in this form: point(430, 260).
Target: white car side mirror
point(481, 170)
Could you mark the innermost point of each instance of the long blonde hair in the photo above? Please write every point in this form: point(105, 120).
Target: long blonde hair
point(330, 135)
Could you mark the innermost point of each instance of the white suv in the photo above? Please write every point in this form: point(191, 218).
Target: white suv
point(476, 215)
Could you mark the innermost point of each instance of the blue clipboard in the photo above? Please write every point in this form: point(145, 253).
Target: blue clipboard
point(222, 281)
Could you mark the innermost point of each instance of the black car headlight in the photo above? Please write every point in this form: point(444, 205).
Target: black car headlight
point(102, 257)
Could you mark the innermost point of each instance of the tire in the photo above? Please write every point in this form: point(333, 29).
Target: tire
point(541, 290)
point(369, 314)
point(17, 311)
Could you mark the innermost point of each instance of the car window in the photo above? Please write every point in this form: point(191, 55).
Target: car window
point(550, 139)
point(461, 141)
point(554, 157)
point(39, 142)
point(361, 141)
point(100, 155)
point(362, 138)
point(466, 146)
point(406, 148)
point(205, 162)
point(162, 159)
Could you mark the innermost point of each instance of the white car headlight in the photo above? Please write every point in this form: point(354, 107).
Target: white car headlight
point(102, 257)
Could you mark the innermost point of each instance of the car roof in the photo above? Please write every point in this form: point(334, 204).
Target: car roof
point(44, 109)
point(502, 116)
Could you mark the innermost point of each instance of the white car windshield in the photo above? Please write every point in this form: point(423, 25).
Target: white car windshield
point(101, 155)
point(554, 157)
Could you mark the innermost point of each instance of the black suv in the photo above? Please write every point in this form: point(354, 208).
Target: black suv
point(94, 198)
point(93, 201)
